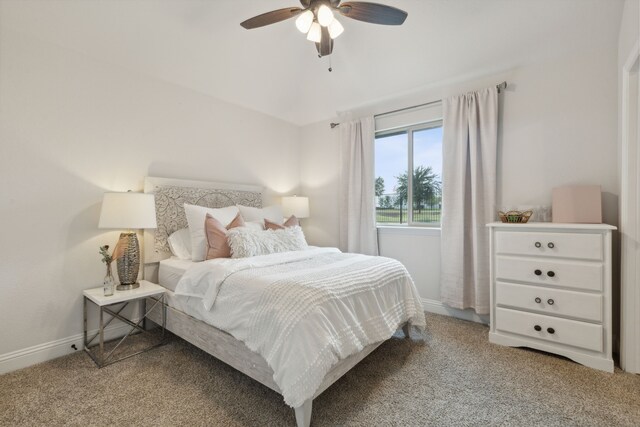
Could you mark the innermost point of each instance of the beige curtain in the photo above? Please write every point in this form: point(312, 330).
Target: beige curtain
point(470, 139)
point(358, 231)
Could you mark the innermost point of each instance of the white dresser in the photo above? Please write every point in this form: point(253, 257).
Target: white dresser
point(551, 289)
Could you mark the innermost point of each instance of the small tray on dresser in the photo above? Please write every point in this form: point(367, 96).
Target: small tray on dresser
point(515, 217)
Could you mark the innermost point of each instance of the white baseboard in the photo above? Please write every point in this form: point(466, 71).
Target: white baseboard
point(51, 350)
point(435, 306)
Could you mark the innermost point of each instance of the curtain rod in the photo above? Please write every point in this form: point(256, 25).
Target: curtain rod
point(501, 86)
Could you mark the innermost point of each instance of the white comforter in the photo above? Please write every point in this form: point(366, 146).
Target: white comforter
point(304, 311)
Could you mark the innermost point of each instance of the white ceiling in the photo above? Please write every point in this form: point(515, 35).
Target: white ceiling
point(200, 45)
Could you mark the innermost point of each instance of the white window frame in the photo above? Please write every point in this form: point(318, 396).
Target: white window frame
point(410, 130)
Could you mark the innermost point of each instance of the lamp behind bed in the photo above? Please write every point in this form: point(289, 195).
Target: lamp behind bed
point(294, 205)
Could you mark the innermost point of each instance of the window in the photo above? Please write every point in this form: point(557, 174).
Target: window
point(409, 199)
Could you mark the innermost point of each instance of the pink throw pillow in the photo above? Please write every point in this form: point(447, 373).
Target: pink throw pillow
point(291, 222)
point(217, 245)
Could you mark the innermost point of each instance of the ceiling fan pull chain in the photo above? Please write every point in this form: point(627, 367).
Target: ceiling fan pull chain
point(330, 68)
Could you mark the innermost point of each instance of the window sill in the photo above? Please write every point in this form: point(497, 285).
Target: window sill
point(408, 230)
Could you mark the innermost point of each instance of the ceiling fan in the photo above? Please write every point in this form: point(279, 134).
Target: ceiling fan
point(317, 19)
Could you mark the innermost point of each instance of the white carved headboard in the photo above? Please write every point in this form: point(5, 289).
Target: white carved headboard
point(172, 194)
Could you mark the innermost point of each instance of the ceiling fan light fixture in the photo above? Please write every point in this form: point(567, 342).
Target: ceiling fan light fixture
point(317, 19)
point(325, 15)
point(335, 29)
point(304, 21)
point(315, 33)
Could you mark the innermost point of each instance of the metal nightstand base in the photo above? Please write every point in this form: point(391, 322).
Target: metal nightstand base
point(139, 327)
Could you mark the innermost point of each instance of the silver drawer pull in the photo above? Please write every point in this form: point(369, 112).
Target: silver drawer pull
point(538, 245)
point(550, 301)
point(550, 245)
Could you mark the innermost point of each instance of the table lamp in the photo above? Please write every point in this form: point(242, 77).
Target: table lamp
point(294, 205)
point(129, 211)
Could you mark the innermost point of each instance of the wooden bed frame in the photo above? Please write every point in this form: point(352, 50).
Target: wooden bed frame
point(210, 339)
point(236, 354)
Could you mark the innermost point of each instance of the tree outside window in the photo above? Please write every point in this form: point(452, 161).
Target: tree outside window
point(420, 147)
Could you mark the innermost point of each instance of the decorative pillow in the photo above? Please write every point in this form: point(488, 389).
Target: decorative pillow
point(272, 213)
point(180, 243)
point(256, 225)
point(246, 242)
point(195, 218)
point(217, 236)
point(291, 222)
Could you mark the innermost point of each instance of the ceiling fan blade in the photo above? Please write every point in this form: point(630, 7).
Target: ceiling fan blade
point(373, 13)
point(271, 17)
point(325, 47)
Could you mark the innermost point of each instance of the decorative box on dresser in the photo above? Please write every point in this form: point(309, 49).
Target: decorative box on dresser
point(551, 289)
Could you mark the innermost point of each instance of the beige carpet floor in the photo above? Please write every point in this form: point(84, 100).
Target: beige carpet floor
point(452, 378)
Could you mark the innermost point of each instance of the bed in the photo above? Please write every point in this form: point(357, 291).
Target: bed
point(321, 276)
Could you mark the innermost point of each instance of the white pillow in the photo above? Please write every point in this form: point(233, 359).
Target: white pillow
point(195, 218)
point(272, 213)
point(245, 242)
point(255, 225)
point(180, 243)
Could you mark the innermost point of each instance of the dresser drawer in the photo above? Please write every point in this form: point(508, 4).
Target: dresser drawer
point(552, 301)
point(569, 245)
point(565, 273)
point(552, 329)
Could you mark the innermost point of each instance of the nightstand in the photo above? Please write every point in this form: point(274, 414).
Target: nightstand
point(113, 306)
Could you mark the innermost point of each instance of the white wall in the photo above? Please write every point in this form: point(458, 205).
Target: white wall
point(629, 37)
point(73, 127)
point(319, 179)
point(629, 28)
point(558, 126)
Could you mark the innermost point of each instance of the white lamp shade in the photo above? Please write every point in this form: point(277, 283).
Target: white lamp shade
point(315, 33)
point(294, 205)
point(304, 21)
point(335, 29)
point(128, 210)
point(325, 15)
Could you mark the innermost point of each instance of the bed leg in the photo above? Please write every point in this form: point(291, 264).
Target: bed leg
point(406, 329)
point(303, 414)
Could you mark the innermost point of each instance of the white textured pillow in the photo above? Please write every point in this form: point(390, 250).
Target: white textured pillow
point(246, 242)
point(180, 243)
point(195, 218)
point(272, 213)
point(255, 225)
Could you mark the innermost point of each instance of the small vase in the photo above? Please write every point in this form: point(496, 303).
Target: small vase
point(109, 282)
